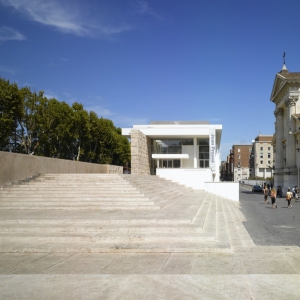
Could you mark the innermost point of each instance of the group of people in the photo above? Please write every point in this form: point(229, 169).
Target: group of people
point(273, 194)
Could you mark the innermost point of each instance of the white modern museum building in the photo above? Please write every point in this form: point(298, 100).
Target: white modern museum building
point(187, 152)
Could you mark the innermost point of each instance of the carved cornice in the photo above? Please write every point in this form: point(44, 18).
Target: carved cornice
point(291, 101)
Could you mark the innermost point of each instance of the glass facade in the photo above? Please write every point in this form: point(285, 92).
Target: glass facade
point(174, 146)
point(203, 152)
point(169, 146)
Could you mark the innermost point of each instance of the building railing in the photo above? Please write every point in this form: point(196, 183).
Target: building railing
point(166, 150)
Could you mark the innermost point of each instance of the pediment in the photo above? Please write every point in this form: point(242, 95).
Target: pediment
point(277, 86)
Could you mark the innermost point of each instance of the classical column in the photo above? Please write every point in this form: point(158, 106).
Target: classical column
point(290, 104)
point(279, 137)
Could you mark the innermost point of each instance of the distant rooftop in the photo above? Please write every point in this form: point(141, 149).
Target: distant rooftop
point(178, 122)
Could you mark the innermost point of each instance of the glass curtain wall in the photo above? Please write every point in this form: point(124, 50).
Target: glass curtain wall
point(167, 146)
point(174, 146)
point(203, 144)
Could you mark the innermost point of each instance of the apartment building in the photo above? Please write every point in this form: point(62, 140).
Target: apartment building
point(226, 168)
point(241, 161)
point(262, 157)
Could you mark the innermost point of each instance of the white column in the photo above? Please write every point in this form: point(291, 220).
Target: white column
point(195, 153)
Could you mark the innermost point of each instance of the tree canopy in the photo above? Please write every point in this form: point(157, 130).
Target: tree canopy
point(32, 124)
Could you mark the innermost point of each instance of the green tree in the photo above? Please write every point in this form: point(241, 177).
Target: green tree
point(28, 125)
point(11, 110)
point(81, 132)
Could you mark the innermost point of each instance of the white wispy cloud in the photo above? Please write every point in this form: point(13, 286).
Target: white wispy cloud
point(7, 70)
point(7, 34)
point(100, 111)
point(63, 16)
point(142, 7)
point(118, 119)
point(50, 94)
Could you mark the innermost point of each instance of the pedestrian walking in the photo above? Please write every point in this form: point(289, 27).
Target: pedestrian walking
point(296, 193)
point(288, 197)
point(273, 197)
point(293, 192)
point(266, 194)
point(279, 191)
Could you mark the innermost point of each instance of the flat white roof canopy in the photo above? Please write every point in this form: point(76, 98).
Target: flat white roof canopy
point(176, 131)
point(170, 156)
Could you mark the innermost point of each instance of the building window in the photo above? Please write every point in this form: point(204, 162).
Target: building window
point(169, 146)
point(170, 163)
point(261, 155)
point(261, 162)
point(239, 156)
point(269, 148)
point(269, 162)
point(261, 148)
point(203, 153)
point(239, 150)
point(269, 155)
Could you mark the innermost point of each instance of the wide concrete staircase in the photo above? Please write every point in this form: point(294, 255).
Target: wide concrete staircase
point(116, 213)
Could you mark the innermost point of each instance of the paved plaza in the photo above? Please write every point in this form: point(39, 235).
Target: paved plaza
point(130, 237)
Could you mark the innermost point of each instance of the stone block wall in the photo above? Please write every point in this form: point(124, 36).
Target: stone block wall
point(140, 152)
point(15, 167)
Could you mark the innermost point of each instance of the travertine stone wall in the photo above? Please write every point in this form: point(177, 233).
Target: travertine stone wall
point(140, 152)
point(15, 167)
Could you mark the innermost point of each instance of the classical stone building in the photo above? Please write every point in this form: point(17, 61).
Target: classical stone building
point(184, 151)
point(286, 142)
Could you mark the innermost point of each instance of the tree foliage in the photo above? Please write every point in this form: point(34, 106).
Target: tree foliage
point(32, 124)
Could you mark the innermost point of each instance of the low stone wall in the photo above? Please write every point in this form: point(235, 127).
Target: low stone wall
point(14, 167)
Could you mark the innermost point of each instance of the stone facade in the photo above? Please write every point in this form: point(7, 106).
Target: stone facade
point(140, 152)
point(285, 95)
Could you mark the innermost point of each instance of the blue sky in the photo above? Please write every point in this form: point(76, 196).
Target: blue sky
point(134, 61)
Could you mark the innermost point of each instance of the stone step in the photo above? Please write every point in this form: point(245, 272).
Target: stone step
point(81, 188)
point(97, 198)
point(94, 228)
point(83, 207)
point(66, 185)
point(104, 222)
point(70, 194)
point(75, 203)
point(111, 237)
point(176, 247)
